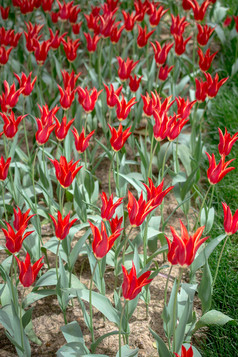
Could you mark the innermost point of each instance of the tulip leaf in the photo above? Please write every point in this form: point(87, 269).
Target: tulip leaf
point(180, 329)
point(161, 346)
point(72, 349)
point(126, 351)
point(72, 332)
point(35, 296)
point(101, 338)
point(205, 288)
point(212, 317)
point(47, 279)
point(77, 249)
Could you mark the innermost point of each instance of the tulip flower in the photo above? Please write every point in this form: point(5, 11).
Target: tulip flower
point(47, 5)
point(186, 4)
point(216, 172)
point(112, 95)
point(205, 61)
point(14, 240)
point(32, 35)
point(156, 194)
point(180, 44)
point(45, 127)
point(161, 53)
point(134, 83)
point(66, 97)
point(230, 222)
point(54, 17)
point(65, 171)
point(140, 10)
point(92, 23)
point(201, 90)
point(91, 41)
point(213, 84)
point(156, 15)
point(115, 34)
point(4, 54)
point(112, 5)
point(227, 21)
point(4, 166)
point(236, 22)
point(21, 219)
point(204, 33)
point(185, 353)
point(41, 51)
point(64, 10)
point(10, 127)
point(164, 72)
point(132, 285)
point(87, 98)
point(81, 142)
point(73, 14)
point(129, 20)
point(107, 22)
point(55, 39)
point(115, 224)
point(119, 137)
point(108, 207)
point(76, 27)
point(61, 129)
point(199, 11)
point(70, 48)
point(4, 12)
point(102, 243)
point(124, 108)
point(143, 36)
point(184, 107)
point(28, 272)
point(125, 68)
point(9, 97)
point(183, 249)
point(149, 104)
point(62, 225)
point(70, 80)
point(178, 25)
point(25, 83)
point(138, 210)
point(226, 142)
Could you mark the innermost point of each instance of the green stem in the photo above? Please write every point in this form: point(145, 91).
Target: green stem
point(109, 174)
point(164, 160)
point(21, 325)
point(24, 127)
point(152, 153)
point(203, 202)
point(43, 158)
point(175, 305)
point(120, 327)
point(56, 261)
point(99, 64)
point(166, 285)
point(3, 199)
point(124, 249)
point(12, 285)
point(219, 261)
point(61, 199)
point(90, 302)
point(117, 177)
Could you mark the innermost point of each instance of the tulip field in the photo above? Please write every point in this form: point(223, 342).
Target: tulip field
point(109, 195)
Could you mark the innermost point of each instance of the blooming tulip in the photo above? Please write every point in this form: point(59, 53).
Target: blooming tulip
point(4, 166)
point(25, 83)
point(226, 142)
point(108, 207)
point(205, 60)
point(204, 33)
point(230, 222)
point(156, 194)
point(112, 95)
point(14, 240)
point(143, 36)
point(61, 129)
point(21, 219)
point(161, 53)
point(65, 171)
point(10, 127)
point(28, 272)
point(62, 225)
point(216, 172)
point(119, 137)
point(185, 353)
point(125, 68)
point(138, 210)
point(81, 142)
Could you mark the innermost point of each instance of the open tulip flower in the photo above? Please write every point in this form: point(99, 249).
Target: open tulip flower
point(230, 222)
point(10, 127)
point(205, 60)
point(178, 25)
point(132, 285)
point(161, 53)
point(25, 83)
point(28, 272)
point(156, 193)
point(21, 219)
point(199, 11)
point(4, 54)
point(81, 142)
point(14, 240)
point(108, 207)
point(65, 171)
point(62, 225)
point(124, 108)
point(119, 137)
point(102, 243)
point(125, 68)
point(4, 166)
point(112, 95)
point(61, 129)
point(143, 36)
point(216, 172)
point(185, 353)
point(226, 142)
point(9, 97)
point(183, 248)
point(204, 33)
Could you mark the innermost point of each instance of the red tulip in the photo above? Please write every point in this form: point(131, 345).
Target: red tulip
point(21, 219)
point(215, 173)
point(180, 44)
point(115, 34)
point(45, 124)
point(107, 22)
point(70, 48)
point(14, 240)
point(54, 17)
point(183, 249)
point(73, 14)
point(112, 5)
point(201, 90)
point(65, 171)
point(230, 222)
point(92, 22)
point(55, 39)
point(25, 83)
point(61, 129)
point(119, 137)
point(112, 95)
point(199, 11)
point(205, 61)
point(184, 107)
point(236, 21)
point(227, 21)
point(76, 27)
point(4, 54)
point(149, 104)
point(161, 53)
point(165, 126)
point(204, 33)
point(132, 285)
point(4, 166)
point(32, 35)
point(9, 97)
point(47, 5)
point(124, 108)
point(178, 25)
point(156, 14)
point(64, 10)
point(129, 20)
point(115, 224)
point(138, 210)
point(213, 84)
point(108, 207)
point(164, 72)
point(62, 225)
point(41, 50)
point(185, 353)
point(10, 127)
point(81, 142)
point(186, 4)
point(91, 41)
point(87, 98)
point(102, 243)
point(134, 83)
point(4, 12)
point(66, 97)
point(143, 36)
point(226, 142)
point(70, 80)
point(125, 68)
point(156, 194)
point(140, 10)
point(28, 272)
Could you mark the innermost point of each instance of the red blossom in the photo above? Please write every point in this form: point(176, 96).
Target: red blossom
point(25, 83)
point(28, 272)
point(10, 127)
point(134, 83)
point(108, 207)
point(143, 36)
point(205, 61)
point(70, 48)
point(81, 142)
point(4, 166)
point(204, 33)
point(61, 129)
point(125, 68)
point(14, 240)
point(119, 137)
point(112, 95)
point(62, 225)
point(161, 53)
point(226, 142)
point(216, 172)
point(65, 171)
point(132, 285)
point(230, 222)
point(124, 108)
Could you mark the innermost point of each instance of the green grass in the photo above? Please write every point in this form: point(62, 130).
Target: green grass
point(223, 112)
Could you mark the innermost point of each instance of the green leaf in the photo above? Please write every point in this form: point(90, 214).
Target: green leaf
point(234, 68)
point(77, 248)
point(126, 351)
point(47, 279)
point(213, 317)
point(35, 296)
point(161, 346)
point(205, 288)
point(72, 349)
point(72, 332)
point(26, 318)
point(101, 338)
